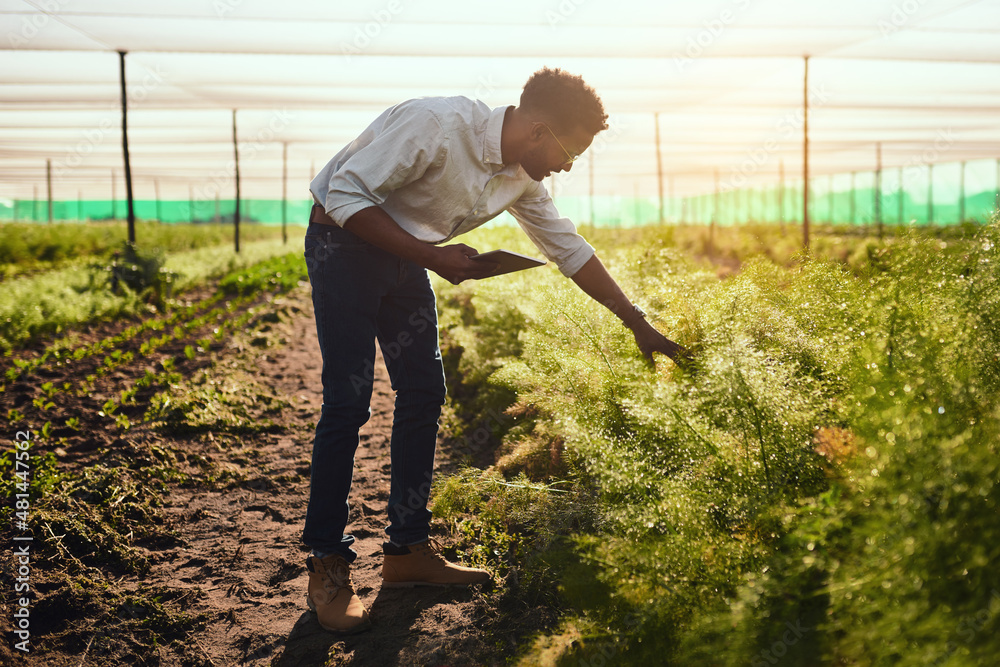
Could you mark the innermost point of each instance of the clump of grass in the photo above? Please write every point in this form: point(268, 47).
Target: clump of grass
point(96, 517)
point(237, 405)
point(510, 525)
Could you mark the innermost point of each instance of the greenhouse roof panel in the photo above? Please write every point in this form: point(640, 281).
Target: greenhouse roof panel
point(723, 77)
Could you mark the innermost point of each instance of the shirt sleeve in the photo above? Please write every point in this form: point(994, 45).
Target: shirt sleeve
point(407, 144)
point(556, 237)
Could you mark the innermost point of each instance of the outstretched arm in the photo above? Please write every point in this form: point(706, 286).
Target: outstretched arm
point(596, 282)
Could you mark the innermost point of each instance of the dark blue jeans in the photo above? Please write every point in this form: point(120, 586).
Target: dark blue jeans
point(362, 294)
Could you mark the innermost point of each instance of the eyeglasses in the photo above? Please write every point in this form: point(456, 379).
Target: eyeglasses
point(570, 156)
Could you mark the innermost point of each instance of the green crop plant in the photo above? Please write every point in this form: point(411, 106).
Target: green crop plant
point(122, 422)
point(891, 566)
point(44, 477)
point(127, 396)
point(34, 247)
point(278, 274)
point(820, 485)
point(42, 404)
point(139, 270)
point(74, 295)
point(109, 408)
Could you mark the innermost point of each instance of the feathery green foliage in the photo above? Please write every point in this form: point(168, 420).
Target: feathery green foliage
point(822, 486)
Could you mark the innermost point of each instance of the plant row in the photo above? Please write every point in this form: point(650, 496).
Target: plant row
point(821, 487)
point(136, 283)
point(27, 247)
point(128, 347)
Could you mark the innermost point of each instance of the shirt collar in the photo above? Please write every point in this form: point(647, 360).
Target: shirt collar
point(494, 128)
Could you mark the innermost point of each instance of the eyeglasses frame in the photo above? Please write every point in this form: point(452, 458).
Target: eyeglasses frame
point(572, 158)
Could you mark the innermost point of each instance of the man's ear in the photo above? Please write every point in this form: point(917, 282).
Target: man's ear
point(537, 131)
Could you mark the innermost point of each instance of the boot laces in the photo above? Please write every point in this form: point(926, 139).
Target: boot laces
point(434, 549)
point(337, 575)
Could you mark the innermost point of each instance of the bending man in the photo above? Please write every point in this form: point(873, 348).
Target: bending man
point(387, 206)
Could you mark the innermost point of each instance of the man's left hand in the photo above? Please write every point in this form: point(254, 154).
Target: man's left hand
point(650, 340)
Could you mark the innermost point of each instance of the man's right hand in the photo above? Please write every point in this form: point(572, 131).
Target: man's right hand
point(453, 263)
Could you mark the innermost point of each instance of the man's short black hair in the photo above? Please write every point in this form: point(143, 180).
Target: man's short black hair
point(565, 100)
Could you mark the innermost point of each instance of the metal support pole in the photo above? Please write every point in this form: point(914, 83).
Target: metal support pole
point(130, 210)
point(715, 208)
point(854, 208)
point(48, 184)
point(930, 194)
point(284, 193)
point(878, 188)
point(961, 195)
point(996, 201)
point(659, 163)
point(899, 193)
point(673, 204)
point(781, 195)
point(156, 191)
point(805, 153)
point(236, 212)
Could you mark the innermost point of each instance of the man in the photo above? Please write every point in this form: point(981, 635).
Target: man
point(422, 173)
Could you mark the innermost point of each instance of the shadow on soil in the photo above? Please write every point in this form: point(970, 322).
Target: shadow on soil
point(395, 616)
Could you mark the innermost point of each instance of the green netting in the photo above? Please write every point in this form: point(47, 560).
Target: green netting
point(939, 194)
point(251, 210)
point(919, 194)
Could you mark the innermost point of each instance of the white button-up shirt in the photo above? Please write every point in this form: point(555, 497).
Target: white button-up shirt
point(434, 165)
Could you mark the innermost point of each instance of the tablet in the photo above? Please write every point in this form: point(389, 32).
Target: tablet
point(508, 261)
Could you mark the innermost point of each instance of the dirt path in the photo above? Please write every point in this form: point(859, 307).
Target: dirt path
point(226, 581)
point(244, 563)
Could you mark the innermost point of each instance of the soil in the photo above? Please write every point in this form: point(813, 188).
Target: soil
point(236, 561)
point(245, 547)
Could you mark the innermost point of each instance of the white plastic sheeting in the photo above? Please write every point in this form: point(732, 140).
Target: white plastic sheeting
point(921, 77)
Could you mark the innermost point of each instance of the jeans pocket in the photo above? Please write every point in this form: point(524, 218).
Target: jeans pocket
point(330, 243)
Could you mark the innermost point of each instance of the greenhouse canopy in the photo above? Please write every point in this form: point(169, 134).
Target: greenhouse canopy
point(911, 86)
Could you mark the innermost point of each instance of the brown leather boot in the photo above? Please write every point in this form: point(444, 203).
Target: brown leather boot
point(423, 565)
point(331, 595)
